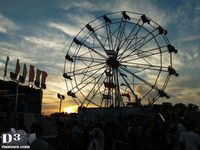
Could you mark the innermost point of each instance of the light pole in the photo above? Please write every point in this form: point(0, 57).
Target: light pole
point(61, 98)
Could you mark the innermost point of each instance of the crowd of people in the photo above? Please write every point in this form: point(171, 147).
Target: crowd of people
point(137, 135)
point(163, 130)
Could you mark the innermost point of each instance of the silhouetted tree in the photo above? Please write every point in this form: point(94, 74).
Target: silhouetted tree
point(192, 107)
point(180, 108)
point(166, 105)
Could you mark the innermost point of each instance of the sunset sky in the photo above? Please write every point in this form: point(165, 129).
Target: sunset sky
point(37, 32)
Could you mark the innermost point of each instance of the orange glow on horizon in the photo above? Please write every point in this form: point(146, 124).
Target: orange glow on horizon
point(68, 110)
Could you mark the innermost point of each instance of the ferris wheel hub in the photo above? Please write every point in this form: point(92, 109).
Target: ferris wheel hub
point(113, 62)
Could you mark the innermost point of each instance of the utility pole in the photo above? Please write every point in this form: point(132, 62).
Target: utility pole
point(61, 98)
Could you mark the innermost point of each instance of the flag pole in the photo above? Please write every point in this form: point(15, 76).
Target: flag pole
point(17, 69)
point(60, 105)
point(16, 101)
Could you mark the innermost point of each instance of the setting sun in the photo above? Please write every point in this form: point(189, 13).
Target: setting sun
point(68, 110)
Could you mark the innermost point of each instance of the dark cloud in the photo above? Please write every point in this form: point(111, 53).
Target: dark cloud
point(198, 93)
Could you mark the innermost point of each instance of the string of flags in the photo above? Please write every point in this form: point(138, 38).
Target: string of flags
point(39, 76)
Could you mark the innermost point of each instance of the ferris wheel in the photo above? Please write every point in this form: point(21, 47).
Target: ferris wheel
point(119, 59)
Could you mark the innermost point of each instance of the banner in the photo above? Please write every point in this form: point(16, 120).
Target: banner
point(38, 73)
point(13, 75)
point(24, 71)
point(23, 77)
point(6, 64)
point(44, 76)
point(127, 95)
point(37, 78)
point(109, 85)
point(31, 73)
point(17, 68)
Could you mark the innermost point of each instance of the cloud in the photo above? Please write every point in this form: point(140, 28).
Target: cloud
point(81, 4)
point(198, 93)
point(185, 19)
point(44, 42)
point(147, 7)
point(196, 22)
point(187, 81)
point(66, 28)
point(190, 38)
point(189, 56)
point(7, 25)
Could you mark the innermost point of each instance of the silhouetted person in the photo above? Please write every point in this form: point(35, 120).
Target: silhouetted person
point(190, 140)
point(64, 137)
point(97, 141)
point(39, 143)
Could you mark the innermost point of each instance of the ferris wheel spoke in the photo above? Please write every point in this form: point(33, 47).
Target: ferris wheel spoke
point(91, 89)
point(92, 49)
point(109, 33)
point(89, 27)
point(86, 82)
point(87, 59)
point(129, 43)
point(85, 55)
point(146, 56)
point(87, 71)
point(87, 75)
point(146, 42)
point(120, 39)
point(139, 78)
point(139, 56)
point(80, 70)
point(135, 45)
point(101, 44)
point(96, 92)
point(90, 101)
point(154, 49)
point(146, 94)
point(143, 41)
point(166, 81)
point(127, 84)
point(92, 75)
point(143, 66)
point(119, 36)
point(136, 49)
point(77, 103)
point(130, 34)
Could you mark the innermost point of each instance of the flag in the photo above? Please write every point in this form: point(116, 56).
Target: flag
point(44, 76)
point(17, 68)
point(38, 73)
point(13, 75)
point(109, 85)
point(23, 77)
point(37, 80)
point(6, 64)
point(24, 71)
point(127, 95)
point(31, 73)
point(106, 96)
